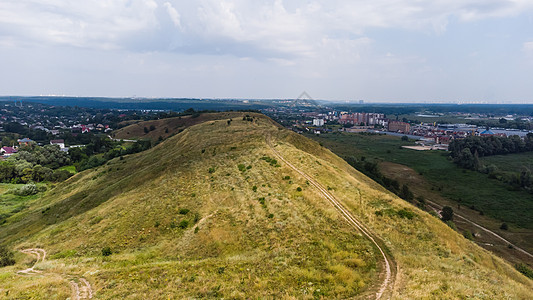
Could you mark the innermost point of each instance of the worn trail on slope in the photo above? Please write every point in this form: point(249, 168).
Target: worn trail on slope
point(388, 262)
point(85, 292)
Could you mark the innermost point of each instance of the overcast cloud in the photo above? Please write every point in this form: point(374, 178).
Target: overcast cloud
point(381, 50)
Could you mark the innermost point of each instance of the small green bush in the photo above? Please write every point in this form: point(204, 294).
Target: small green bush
point(241, 167)
point(106, 251)
point(468, 235)
point(405, 214)
point(183, 224)
point(184, 211)
point(299, 189)
point(6, 257)
point(27, 190)
point(504, 226)
point(254, 188)
point(211, 170)
point(524, 269)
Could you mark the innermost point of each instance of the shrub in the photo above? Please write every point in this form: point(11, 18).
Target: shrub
point(504, 226)
point(106, 251)
point(468, 235)
point(27, 190)
point(524, 269)
point(254, 188)
point(299, 189)
point(270, 216)
point(184, 211)
point(241, 167)
point(405, 214)
point(183, 224)
point(6, 257)
point(447, 213)
point(211, 170)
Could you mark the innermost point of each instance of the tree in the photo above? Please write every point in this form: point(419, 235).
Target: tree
point(406, 194)
point(447, 214)
point(405, 138)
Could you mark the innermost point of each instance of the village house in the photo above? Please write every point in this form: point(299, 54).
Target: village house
point(60, 143)
point(8, 151)
point(25, 142)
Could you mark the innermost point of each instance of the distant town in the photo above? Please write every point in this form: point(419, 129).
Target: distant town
point(428, 135)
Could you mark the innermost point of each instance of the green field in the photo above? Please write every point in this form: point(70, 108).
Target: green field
point(10, 203)
point(469, 188)
point(510, 162)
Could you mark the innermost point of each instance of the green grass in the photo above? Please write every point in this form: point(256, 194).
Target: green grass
point(71, 169)
point(466, 187)
point(11, 204)
point(510, 162)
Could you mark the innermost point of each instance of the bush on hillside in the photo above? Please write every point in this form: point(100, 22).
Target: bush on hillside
point(27, 190)
point(524, 269)
point(6, 257)
point(447, 214)
point(183, 224)
point(106, 251)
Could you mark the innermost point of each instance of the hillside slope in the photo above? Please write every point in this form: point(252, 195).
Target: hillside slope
point(210, 212)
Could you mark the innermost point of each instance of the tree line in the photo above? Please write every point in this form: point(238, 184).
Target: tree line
point(466, 152)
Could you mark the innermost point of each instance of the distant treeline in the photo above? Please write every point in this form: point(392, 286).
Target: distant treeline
point(400, 109)
point(465, 152)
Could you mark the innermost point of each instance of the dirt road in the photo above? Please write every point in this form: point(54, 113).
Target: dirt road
point(436, 205)
point(85, 292)
point(388, 262)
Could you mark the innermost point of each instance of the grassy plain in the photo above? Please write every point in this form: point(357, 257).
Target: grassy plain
point(204, 215)
point(514, 163)
point(468, 188)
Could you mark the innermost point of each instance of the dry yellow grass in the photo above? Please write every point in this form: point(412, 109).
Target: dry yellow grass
point(271, 241)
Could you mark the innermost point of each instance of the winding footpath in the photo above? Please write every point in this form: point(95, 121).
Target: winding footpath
point(83, 292)
point(388, 262)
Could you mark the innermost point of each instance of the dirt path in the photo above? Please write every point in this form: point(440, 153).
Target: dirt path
point(436, 205)
point(387, 274)
point(85, 292)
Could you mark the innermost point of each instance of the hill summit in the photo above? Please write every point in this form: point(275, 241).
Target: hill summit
point(238, 207)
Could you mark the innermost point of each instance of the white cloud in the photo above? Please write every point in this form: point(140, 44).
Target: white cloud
point(260, 29)
point(174, 15)
point(528, 47)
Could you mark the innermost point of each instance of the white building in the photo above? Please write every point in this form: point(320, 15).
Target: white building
point(60, 143)
point(318, 122)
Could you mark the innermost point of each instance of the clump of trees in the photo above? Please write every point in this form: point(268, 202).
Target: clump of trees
point(466, 152)
point(35, 165)
point(101, 150)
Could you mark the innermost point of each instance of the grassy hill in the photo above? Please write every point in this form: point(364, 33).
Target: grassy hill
point(209, 213)
point(161, 129)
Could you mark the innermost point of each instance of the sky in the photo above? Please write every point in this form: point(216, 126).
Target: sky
point(377, 51)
